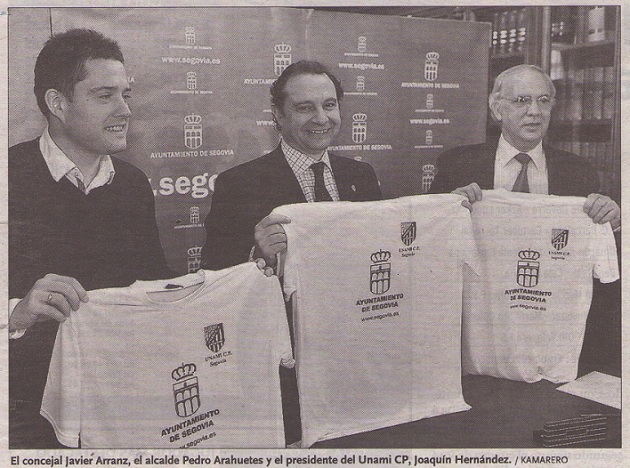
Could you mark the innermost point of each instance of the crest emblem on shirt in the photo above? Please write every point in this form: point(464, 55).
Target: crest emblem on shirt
point(380, 272)
point(408, 232)
point(215, 337)
point(559, 238)
point(186, 390)
point(528, 268)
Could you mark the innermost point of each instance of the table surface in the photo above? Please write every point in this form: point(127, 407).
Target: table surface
point(504, 414)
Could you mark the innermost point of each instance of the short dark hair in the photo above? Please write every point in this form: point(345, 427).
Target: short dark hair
point(61, 63)
point(303, 67)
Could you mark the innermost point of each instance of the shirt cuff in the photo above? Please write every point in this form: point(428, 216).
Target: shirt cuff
point(15, 334)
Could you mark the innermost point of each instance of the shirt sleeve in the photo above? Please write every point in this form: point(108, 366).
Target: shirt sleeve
point(287, 260)
point(469, 250)
point(61, 404)
point(606, 267)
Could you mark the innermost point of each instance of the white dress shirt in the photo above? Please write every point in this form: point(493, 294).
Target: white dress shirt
point(506, 168)
point(61, 166)
point(300, 164)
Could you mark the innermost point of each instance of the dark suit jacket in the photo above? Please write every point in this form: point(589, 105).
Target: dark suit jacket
point(245, 194)
point(568, 173)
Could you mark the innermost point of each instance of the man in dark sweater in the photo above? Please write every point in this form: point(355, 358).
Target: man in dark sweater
point(79, 219)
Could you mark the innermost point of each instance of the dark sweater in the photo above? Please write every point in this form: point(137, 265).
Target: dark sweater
point(107, 238)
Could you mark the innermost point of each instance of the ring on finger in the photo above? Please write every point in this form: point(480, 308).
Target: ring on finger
point(49, 299)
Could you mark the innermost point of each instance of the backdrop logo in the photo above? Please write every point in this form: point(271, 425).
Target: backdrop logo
point(429, 101)
point(559, 238)
point(360, 83)
point(528, 268)
point(359, 127)
point(214, 336)
point(191, 38)
point(428, 174)
point(191, 80)
point(362, 44)
point(431, 66)
point(194, 259)
point(193, 131)
point(380, 272)
point(281, 57)
point(408, 232)
point(428, 137)
point(186, 390)
point(194, 214)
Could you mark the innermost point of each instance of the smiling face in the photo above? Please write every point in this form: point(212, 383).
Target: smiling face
point(96, 120)
point(523, 126)
point(310, 119)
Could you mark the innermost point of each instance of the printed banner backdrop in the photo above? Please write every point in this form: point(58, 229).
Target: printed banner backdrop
point(201, 77)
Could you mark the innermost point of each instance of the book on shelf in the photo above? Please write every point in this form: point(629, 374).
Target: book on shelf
point(580, 19)
point(596, 86)
point(521, 29)
point(575, 94)
point(608, 92)
point(495, 32)
point(561, 25)
point(596, 25)
point(560, 99)
point(587, 94)
point(503, 32)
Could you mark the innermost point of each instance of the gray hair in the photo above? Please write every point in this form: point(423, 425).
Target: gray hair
point(500, 80)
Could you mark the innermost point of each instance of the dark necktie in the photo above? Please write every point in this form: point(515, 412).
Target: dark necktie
point(522, 184)
point(321, 194)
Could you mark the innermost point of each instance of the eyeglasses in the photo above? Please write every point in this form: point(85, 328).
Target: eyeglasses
point(543, 101)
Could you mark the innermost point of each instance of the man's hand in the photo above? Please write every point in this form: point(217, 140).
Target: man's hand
point(270, 238)
point(52, 297)
point(602, 209)
point(472, 192)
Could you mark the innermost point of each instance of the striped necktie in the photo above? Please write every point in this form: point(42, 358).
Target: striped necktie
point(522, 184)
point(321, 193)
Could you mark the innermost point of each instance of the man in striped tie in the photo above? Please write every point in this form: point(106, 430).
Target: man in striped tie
point(305, 102)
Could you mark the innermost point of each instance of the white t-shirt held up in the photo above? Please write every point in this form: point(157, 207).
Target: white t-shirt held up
point(186, 362)
point(525, 315)
point(377, 291)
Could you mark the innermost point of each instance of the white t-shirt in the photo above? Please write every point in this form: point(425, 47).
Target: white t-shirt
point(525, 315)
point(182, 367)
point(377, 290)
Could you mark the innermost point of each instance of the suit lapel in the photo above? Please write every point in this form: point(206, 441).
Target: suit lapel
point(344, 179)
point(282, 180)
point(485, 166)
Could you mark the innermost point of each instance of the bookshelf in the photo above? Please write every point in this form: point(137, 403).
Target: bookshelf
point(584, 66)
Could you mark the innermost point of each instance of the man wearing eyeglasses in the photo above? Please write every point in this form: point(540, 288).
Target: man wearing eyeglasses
point(521, 101)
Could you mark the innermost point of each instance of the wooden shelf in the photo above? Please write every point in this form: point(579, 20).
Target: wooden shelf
point(582, 46)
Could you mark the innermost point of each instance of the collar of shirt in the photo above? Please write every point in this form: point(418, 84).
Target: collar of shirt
point(507, 168)
point(300, 164)
point(506, 152)
point(299, 161)
point(61, 166)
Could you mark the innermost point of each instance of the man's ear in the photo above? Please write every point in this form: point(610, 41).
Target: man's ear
point(277, 115)
point(495, 108)
point(276, 112)
point(56, 103)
